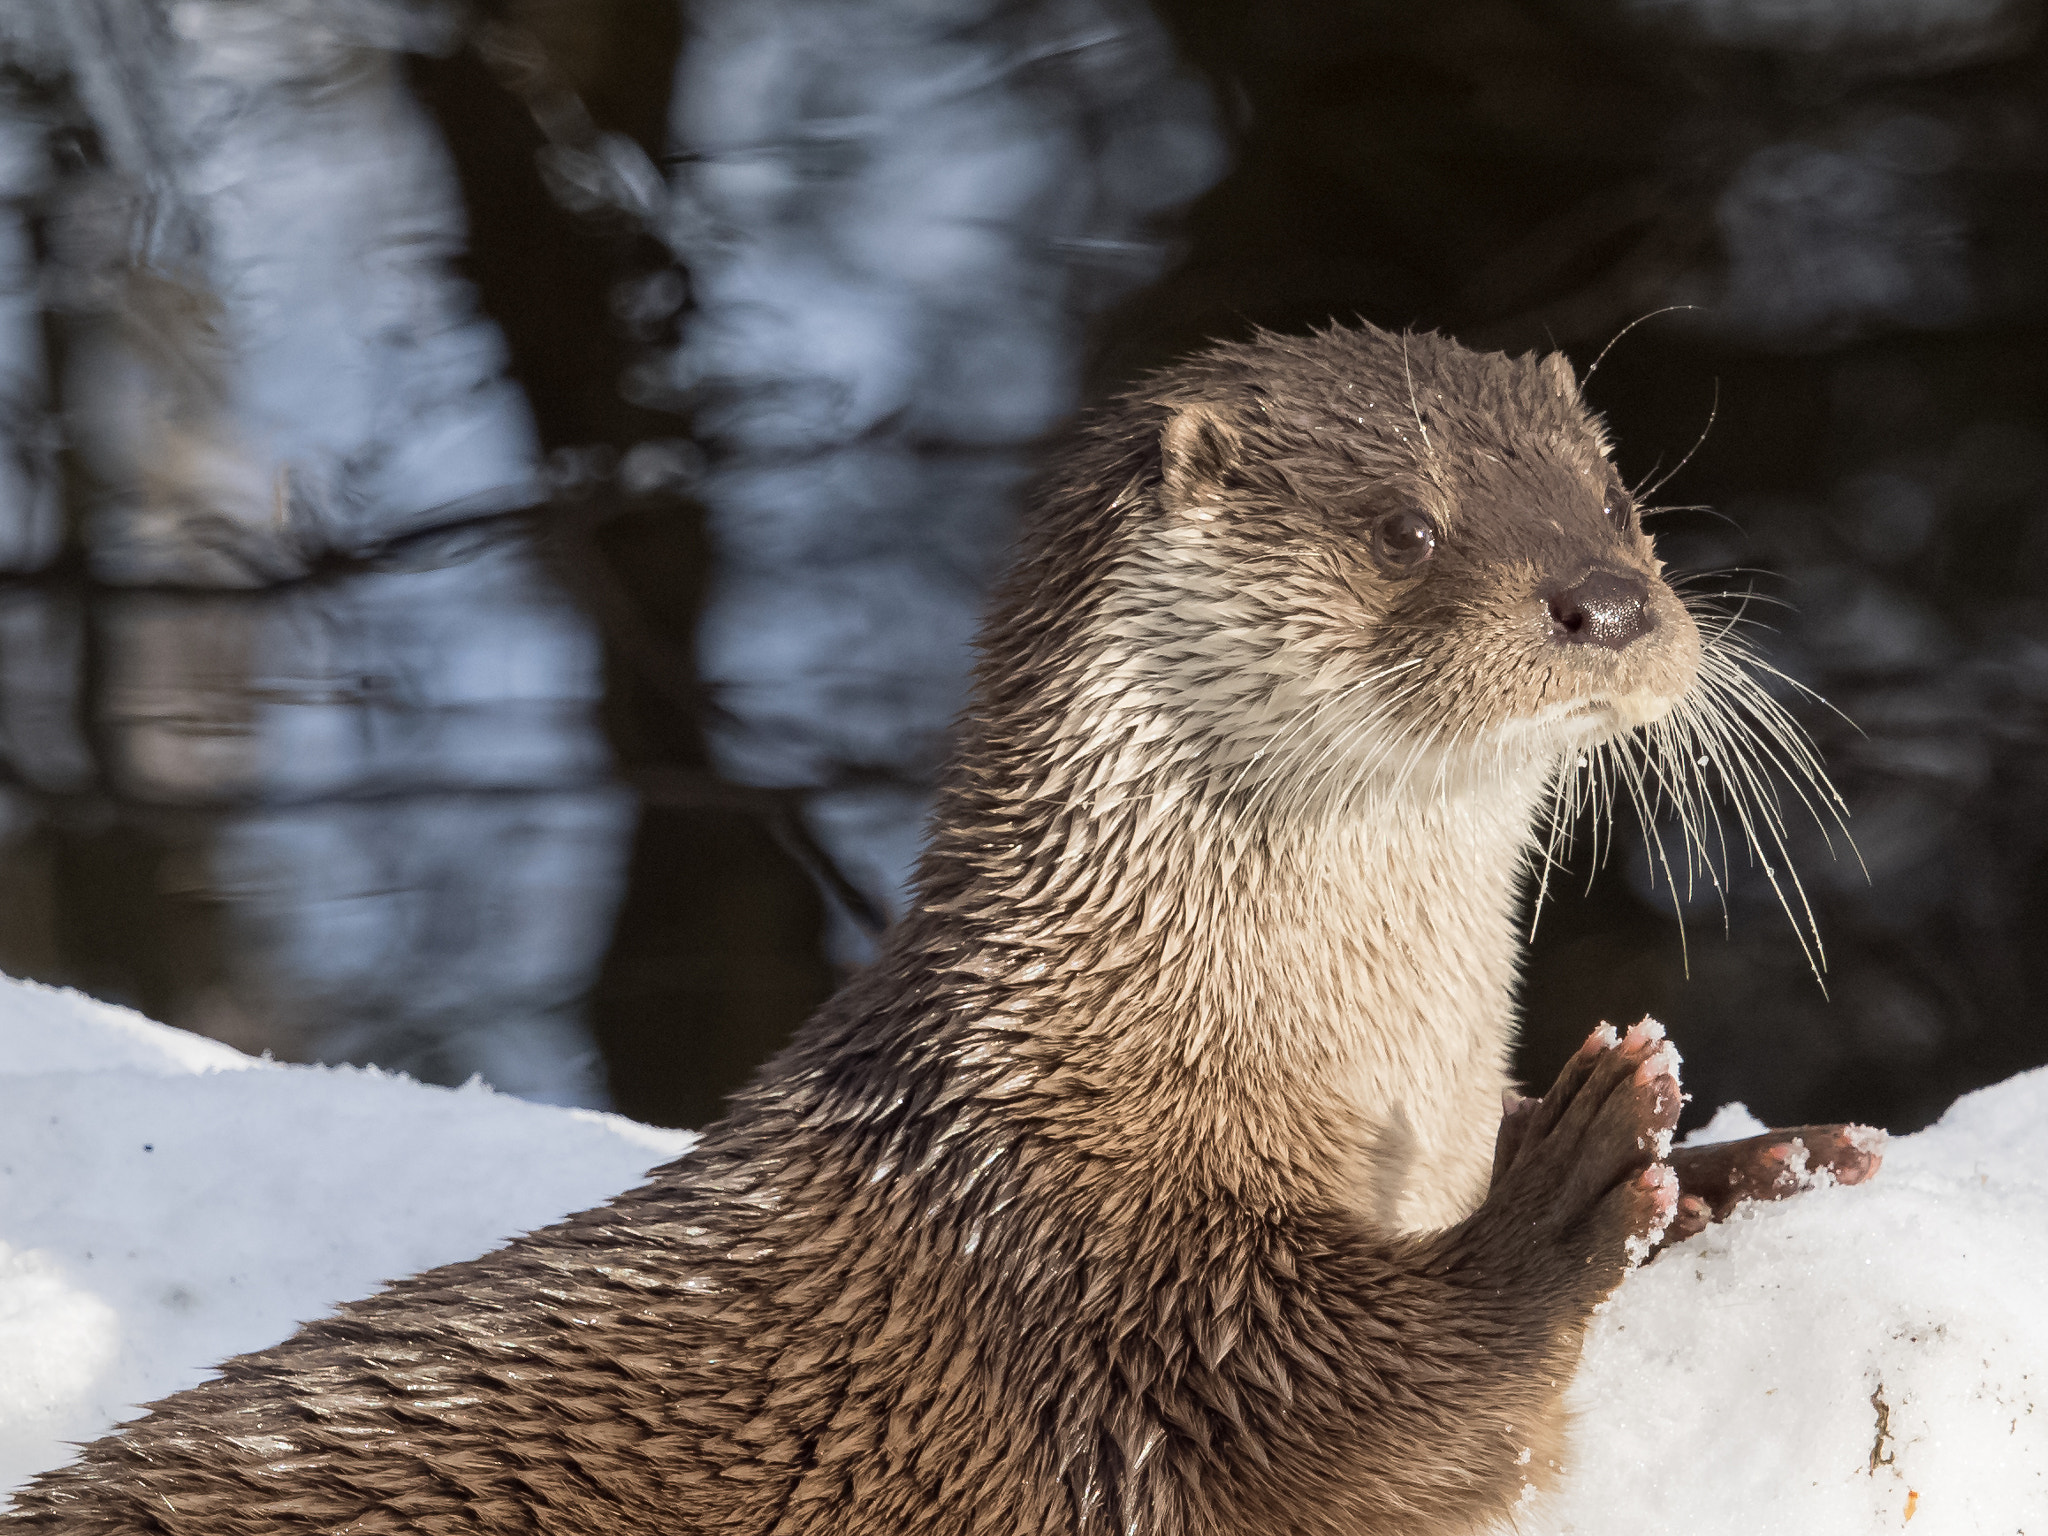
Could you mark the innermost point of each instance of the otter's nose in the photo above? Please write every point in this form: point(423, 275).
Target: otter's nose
point(1604, 607)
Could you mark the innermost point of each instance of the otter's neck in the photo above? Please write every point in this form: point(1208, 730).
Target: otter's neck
point(1293, 1011)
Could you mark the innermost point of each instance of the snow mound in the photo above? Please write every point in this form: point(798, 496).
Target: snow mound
point(54, 1029)
point(1842, 1363)
point(161, 1210)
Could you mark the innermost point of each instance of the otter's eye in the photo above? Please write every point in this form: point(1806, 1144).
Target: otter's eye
point(1403, 540)
point(1620, 509)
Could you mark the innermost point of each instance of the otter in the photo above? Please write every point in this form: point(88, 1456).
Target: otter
point(1155, 1178)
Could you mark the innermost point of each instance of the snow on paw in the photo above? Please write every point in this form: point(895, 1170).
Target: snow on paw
point(1654, 1193)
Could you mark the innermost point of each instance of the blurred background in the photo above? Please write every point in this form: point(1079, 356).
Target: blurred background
point(495, 497)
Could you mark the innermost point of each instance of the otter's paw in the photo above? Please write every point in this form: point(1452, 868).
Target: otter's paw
point(1714, 1179)
point(1582, 1169)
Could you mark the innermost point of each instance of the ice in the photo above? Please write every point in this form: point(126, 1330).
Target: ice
point(46, 1030)
point(1829, 1364)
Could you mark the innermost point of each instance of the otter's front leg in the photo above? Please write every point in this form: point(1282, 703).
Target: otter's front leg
point(1457, 1347)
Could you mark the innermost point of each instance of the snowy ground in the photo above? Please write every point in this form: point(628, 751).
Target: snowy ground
point(166, 1202)
point(1844, 1363)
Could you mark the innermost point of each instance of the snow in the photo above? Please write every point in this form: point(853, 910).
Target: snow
point(1844, 1362)
point(1841, 1362)
point(1731, 1122)
point(166, 1201)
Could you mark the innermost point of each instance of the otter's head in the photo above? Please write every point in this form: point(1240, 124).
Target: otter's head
point(1381, 559)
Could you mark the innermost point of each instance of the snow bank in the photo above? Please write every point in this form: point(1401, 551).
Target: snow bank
point(1841, 1364)
point(166, 1202)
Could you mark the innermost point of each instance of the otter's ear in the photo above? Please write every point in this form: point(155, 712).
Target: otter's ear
point(1557, 373)
point(1197, 451)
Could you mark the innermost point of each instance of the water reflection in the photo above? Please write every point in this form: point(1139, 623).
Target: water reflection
point(452, 662)
point(896, 219)
point(303, 733)
point(301, 729)
point(368, 815)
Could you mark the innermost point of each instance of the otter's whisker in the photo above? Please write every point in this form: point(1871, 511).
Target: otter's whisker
point(1781, 740)
point(1713, 411)
point(1754, 801)
point(1313, 713)
point(1668, 309)
point(1325, 766)
point(1653, 845)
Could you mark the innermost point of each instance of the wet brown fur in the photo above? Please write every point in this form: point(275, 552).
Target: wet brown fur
point(1148, 1181)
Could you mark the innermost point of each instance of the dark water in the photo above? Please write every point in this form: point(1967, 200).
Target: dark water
point(467, 795)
